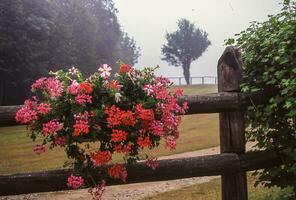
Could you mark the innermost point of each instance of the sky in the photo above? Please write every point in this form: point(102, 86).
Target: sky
point(147, 21)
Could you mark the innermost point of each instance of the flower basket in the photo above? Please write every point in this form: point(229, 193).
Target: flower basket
point(94, 118)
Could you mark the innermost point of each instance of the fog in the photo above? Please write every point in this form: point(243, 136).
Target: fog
point(148, 21)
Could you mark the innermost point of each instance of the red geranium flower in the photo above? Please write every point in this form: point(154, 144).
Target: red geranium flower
point(118, 172)
point(124, 68)
point(100, 158)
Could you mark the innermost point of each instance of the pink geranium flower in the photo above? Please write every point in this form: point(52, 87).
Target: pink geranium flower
point(148, 90)
point(75, 181)
point(44, 108)
point(52, 126)
point(27, 113)
point(50, 85)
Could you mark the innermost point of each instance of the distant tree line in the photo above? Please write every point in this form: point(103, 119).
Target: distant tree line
point(41, 35)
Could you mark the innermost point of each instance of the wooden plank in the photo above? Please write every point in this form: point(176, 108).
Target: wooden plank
point(232, 130)
point(208, 103)
point(7, 115)
point(170, 169)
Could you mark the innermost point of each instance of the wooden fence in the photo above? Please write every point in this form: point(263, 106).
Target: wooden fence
point(177, 80)
point(232, 163)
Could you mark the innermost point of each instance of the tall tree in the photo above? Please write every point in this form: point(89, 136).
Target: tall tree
point(41, 35)
point(24, 29)
point(184, 46)
point(128, 52)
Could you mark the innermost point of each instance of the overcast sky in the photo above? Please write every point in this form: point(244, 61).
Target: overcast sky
point(148, 21)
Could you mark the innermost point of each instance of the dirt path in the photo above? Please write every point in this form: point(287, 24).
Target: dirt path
point(128, 191)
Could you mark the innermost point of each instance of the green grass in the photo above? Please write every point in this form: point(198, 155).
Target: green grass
point(212, 191)
point(196, 132)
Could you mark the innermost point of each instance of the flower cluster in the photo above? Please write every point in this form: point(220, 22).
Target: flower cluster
point(52, 127)
point(117, 117)
point(131, 112)
point(81, 92)
point(53, 87)
point(81, 125)
point(75, 181)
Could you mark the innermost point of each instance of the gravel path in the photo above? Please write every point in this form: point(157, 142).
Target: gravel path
point(128, 191)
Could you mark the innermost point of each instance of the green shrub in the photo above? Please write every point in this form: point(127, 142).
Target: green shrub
point(269, 62)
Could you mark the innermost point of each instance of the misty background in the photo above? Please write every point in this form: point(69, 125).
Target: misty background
point(148, 21)
point(37, 36)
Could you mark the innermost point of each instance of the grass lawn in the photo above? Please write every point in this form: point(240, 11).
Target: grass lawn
point(212, 191)
point(197, 132)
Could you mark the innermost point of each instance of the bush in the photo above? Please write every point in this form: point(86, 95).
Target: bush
point(269, 62)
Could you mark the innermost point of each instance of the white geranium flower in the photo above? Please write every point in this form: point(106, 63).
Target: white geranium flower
point(105, 71)
point(73, 71)
point(117, 97)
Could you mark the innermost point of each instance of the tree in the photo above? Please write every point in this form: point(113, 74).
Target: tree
point(129, 52)
point(41, 35)
point(88, 33)
point(184, 46)
point(24, 30)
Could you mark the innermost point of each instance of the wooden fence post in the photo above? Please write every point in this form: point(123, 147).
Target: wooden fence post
point(232, 129)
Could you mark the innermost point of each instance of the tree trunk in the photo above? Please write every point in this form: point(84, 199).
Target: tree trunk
point(186, 73)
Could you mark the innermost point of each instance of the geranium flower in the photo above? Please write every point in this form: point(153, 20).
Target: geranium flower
point(149, 90)
point(105, 71)
point(83, 98)
point(144, 142)
point(124, 68)
point(52, 127)
point(100, 158)
point(44, 108)
point(118, 172)
point(75, 181)
point(114, 84)
point(73, 71)
point(118, 135)
point(117, 97)
point(27, 113)
point(81, 125)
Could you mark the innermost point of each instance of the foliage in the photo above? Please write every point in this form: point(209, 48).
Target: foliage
point(268, 55)
point(133, 111)
point(184, 46)
point(41, 35)
point(24, 30)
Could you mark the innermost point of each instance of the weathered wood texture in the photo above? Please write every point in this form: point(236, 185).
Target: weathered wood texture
point(232, 129)
point(7, 115)
point(209, 103)
point(226, 163)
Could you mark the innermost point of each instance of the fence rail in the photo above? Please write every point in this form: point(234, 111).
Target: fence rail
point(202, 80)
point(208, 103)
point(231, 164)
point(226, 163)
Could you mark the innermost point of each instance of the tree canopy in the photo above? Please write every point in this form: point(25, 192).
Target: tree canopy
point(184, 46)
point(40, 35)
